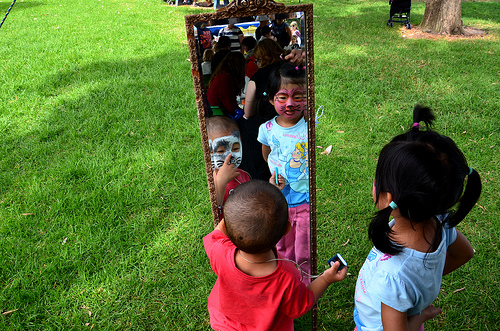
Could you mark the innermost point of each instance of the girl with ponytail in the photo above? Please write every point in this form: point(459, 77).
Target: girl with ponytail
point(419, 182)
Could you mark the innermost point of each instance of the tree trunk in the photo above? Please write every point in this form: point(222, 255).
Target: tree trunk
point(443, 16)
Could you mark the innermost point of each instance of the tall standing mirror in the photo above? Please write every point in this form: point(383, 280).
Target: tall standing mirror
point(234, 53)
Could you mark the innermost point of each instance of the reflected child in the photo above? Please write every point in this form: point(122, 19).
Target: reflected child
point(256, 289)
point(284, 147)
point(207, 62)
point(225, 152)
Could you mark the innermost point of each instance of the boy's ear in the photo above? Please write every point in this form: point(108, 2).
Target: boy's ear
point(222, 227)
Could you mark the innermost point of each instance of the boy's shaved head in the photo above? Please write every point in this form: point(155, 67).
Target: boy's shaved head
point(220, 124)
point(256, 216)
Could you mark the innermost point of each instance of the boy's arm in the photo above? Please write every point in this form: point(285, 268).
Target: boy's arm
point(394, 320)
point(458, 254)
point(330, 276)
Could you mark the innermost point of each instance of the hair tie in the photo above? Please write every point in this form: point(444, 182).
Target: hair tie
point(264, 93)
point(298, 68)
point(470, 171)
point(416, 125)
point(393, 205)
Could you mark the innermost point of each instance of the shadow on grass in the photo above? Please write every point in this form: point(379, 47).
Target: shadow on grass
point(103, 169)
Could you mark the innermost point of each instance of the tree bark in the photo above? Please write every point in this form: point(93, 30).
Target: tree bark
point(443, 17)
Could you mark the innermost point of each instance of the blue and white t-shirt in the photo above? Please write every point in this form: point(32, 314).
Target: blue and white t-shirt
point(407, 282)
point(289, 156)
point(233, 34)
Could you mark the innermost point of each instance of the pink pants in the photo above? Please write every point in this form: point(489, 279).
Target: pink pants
point(296, 244)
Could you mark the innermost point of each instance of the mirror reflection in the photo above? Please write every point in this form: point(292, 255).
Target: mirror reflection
point(256, 102)
point(253, 72)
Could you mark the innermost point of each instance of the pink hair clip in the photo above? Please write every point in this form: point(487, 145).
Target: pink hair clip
point(416, 125)
point(298, 68)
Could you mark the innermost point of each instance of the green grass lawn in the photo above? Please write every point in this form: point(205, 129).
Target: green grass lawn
point(103, 195)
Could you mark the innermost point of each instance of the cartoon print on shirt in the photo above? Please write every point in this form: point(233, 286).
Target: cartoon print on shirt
point(372, 256)
point(384, 257)
point(295, 167)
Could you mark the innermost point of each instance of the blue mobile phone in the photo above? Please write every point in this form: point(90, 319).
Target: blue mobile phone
point(276, 175)
point(339, 258)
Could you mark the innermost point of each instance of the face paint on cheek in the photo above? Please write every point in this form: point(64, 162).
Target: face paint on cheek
point(223, 146)
point(290, 103)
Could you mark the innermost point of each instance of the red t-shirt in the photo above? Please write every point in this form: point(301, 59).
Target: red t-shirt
point(222, 93)
point(242, 302)
point(242, 178)
point(251, 68)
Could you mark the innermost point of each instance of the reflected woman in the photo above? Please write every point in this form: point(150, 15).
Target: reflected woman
point(226, 84)
point(268, 57)
point(258, 109)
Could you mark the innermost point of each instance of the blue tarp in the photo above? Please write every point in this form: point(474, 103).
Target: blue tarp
point(248, 28)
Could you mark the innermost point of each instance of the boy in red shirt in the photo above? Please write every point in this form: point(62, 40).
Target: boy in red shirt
point(226, 152)
point(256, 289)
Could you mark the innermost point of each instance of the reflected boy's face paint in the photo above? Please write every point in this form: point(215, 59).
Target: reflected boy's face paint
point(290, 102)
point(221, 147)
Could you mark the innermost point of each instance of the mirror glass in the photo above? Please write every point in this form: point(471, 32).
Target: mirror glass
point(234, 55)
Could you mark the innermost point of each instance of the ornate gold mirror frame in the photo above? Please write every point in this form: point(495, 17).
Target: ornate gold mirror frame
point(247, 8)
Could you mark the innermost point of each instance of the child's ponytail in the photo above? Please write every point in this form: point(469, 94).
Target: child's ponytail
point(380, 232)
point(422, 114)
point(469, 198)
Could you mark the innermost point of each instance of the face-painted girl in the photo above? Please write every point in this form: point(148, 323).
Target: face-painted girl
point(290, 102)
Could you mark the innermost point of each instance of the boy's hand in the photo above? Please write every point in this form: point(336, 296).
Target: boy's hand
point(332, 274)
point(281, 181)
point(227, 172)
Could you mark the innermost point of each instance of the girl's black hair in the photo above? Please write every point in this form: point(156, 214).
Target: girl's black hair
point(234, 64)
point(249, 42)
point(425, 172)
point(286, 73)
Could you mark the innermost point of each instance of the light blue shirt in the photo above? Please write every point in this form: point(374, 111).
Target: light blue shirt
point(283, 157)
point(407, 282)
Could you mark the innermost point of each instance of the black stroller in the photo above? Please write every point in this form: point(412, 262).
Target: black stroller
point(400, 13)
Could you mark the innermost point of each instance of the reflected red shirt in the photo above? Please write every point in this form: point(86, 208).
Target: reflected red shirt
point(221, 93)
